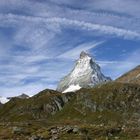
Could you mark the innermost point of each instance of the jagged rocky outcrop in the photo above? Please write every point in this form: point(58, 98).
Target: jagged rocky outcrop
point(86, 73)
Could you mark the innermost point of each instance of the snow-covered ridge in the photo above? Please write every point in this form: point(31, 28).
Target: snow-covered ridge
point(86, 73)
point(3, 100)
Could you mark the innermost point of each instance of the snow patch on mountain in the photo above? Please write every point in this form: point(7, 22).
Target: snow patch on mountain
point(3, 100)
point(72, 88)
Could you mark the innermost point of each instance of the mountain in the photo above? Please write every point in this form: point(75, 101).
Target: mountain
point(22, 96)
point(108, 111)
point(41, 105)
point(3, 100)
point(132, 76)
point(86, 73)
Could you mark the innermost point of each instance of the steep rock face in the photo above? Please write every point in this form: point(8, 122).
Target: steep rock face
point(132, 76)
point(86, 73)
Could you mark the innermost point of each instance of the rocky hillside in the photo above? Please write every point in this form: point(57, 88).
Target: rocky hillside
point(40, 106)
point(109, 111)
point(104, 104)
point(86, 73)
point(111, 108)
point(132, 76)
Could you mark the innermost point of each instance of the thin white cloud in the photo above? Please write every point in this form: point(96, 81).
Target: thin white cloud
point(74, 53)
point(41, 25)
point(95, 28)
point(129, 7)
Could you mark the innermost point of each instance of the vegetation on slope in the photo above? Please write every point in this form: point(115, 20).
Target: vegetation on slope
point(109, 111)
point(40, 106)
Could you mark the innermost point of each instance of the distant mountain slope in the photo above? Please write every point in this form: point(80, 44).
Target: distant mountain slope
point(22, 96)
point(86, 73)
point(132, 76)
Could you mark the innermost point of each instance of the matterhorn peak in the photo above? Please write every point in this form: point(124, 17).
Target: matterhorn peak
point(84, 54)
point(86, 73)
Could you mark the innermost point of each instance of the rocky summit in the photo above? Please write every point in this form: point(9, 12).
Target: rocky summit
point(86, 73)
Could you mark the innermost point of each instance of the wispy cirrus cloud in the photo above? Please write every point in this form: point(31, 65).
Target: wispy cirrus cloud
point(114, 6)
point(74, 53)
point(55, 24)
point(36, 37)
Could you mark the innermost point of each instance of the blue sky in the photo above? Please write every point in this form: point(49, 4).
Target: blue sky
point(41, 39)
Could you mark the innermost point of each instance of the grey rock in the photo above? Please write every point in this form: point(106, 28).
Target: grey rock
point(17, 130)
point(35, 138)
point(75, 130)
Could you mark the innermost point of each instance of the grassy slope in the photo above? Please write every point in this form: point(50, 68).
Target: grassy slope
point(28, 109)
point(109, 102)
point(102, 109)
point(97, 110)
point(106, 103)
